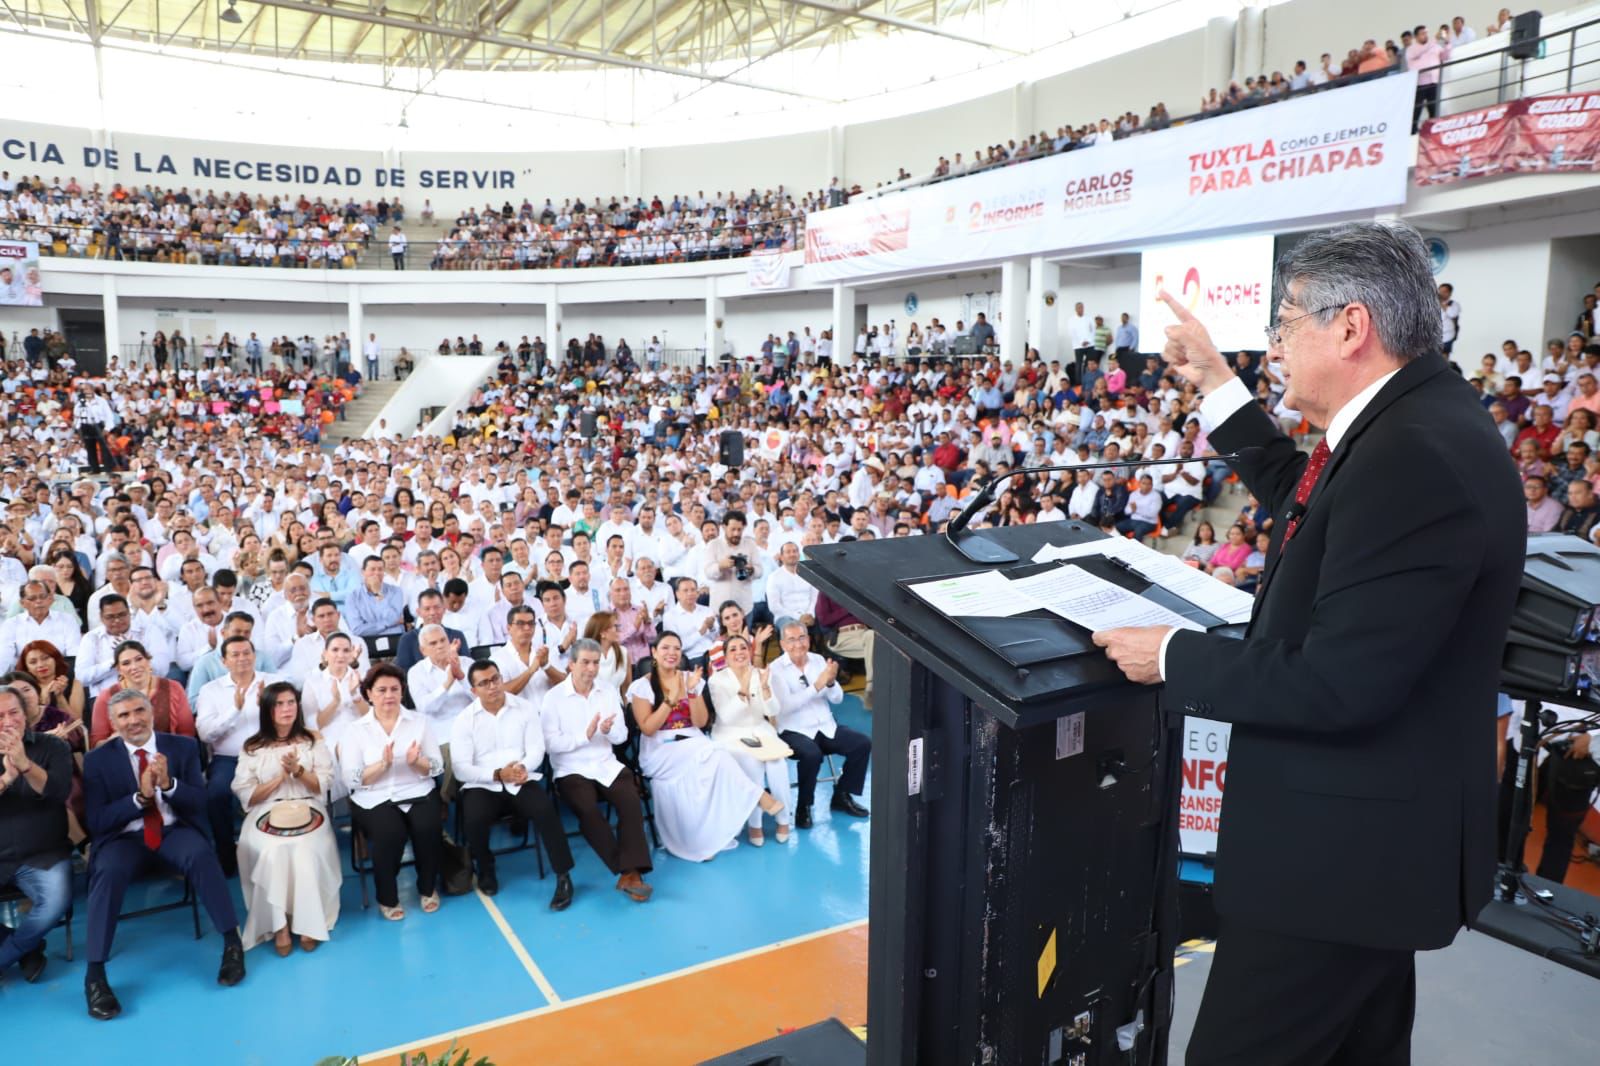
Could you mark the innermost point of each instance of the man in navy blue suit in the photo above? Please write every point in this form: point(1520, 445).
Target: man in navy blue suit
point(146, 801)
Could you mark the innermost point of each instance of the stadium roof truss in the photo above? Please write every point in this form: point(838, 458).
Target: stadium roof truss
point(706, 41)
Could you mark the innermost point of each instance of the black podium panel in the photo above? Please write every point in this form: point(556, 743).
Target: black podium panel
point(1024, 834)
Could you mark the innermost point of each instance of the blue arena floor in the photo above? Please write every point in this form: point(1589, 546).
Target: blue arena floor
point(380, 984)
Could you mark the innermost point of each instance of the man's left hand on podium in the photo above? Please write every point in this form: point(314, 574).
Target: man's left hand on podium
point(1135, 650)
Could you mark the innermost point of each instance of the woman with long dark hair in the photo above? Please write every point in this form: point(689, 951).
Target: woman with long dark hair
point(289, 869)
point(702, 797)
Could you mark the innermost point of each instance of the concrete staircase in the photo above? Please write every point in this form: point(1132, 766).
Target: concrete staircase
point(422, 238)
point(360, 414)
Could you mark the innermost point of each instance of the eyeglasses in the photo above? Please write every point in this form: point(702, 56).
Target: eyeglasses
point(1275, 333)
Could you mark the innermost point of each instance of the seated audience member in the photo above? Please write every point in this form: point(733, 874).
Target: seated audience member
point(390, 758)
point(36, 621)
point(430, 611)
point(616, 666)
point(1231, 555)
point(528, 665)
point(702, 797)
point(731, 621)
point(747, 715)
point(55, 722)
point(582, 721)
point(306, 656)
point(35, 780)
point(209, 666)
point(289, 868)
point(332, 699)
point(851, 638)
point(692, 621)
point(807, 688)
point(496, 749)
point(96, 661)
point(135, 674)
point(438, 682)
point(58, 691)
point(225, 717)
point(147, 806)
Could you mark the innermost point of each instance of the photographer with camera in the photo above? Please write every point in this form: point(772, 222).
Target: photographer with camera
point(1569, 778)
point(734, 564)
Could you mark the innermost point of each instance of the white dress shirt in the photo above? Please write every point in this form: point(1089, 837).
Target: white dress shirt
point(1221, 405)
point(163, 799)
point(194, 640)
point(566, 717)
point(512, 666)
point(481, 743)
point(581, 606)
point(281, 632)
point(437, 694)
point(363, 746)
point(686, 624)
point(221, 723)
point(790, 595)
point(801, 707)
point(95, 666)
point(20, 630)
point(305, 656)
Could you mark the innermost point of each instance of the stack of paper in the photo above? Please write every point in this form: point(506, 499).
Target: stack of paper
point(1196, 586)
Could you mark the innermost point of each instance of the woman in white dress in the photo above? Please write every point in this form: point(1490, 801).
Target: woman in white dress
point(615, 668)
point(333, 700)
point(289, 868)
point(746, 713)
point(702, 797)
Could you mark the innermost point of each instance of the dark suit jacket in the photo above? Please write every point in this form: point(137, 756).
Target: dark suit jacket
point(109, 785)
point(1361, 784)
point(408, 652)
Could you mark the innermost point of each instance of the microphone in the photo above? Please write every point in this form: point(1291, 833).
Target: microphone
point(982, 550)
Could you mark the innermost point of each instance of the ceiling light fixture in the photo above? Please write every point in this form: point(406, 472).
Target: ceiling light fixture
point(230, 15)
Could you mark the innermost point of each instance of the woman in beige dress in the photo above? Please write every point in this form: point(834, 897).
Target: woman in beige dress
point(289, 867)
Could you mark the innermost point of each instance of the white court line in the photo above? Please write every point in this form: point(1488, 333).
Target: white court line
point(517, 949)
point(455, 1034)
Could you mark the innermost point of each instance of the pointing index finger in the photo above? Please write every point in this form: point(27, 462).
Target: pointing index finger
point(1183, 313)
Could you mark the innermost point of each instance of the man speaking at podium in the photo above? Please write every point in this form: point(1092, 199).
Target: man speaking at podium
point(1358, 823)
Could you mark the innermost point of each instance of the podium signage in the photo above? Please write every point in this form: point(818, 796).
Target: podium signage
point(1205, 775)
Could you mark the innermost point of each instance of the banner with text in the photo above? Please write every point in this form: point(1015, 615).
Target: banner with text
point(1539, 135)
point(1205, 773)
point(1227, 282)
point(19, 275)
point(768, 270)
point(1342, 150)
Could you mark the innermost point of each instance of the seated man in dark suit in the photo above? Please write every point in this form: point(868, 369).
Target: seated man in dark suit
point(146, 801)
point(430, 611)
point(35, 777)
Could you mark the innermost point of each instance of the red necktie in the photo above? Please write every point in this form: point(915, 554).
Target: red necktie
point(152, 813)
point(1308, 481)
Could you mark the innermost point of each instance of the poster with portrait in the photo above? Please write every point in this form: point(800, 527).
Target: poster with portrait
point(19, 275)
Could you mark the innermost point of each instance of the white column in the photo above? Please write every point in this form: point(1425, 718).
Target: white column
point(358, 336)
point(632, 172)
point(1022, 111)
point(844, 324)
point(835, 157)
point(1216, 66)
point(1044, 329)
point(555, 350)
point(716, 315)
point(1013, 326)
point(113, 324)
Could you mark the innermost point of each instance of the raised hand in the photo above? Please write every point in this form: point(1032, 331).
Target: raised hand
point(1190, 350)
point(161, 773)
point(763, 634)
point(695, 677)
point(607, 722)
point(414, 755)
point(594, 724)
point(388, 755)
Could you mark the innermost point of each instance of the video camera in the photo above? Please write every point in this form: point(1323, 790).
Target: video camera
point(742, 570)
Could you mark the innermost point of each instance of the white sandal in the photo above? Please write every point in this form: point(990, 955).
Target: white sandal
point(757, 838)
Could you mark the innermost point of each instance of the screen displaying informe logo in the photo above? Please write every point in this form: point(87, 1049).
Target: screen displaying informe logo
point(1227, 283)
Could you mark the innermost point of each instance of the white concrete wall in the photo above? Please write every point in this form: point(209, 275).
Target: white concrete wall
point(874, 151)
point(1108, 291)
point(799, 163)
point(1169, 72)
point(1574, 271)
point(1500, 275)
point(438, 380)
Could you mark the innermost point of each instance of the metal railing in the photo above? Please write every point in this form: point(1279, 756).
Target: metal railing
point(1568, 61)
point(445, 253)
point(142, 354)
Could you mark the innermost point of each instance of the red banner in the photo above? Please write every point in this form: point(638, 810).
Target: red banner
point(1540, 135)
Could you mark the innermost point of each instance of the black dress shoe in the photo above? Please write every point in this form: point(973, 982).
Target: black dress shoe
point(563, 897)
point(232, 971)
point(32, 965)
point(844, 803)
point(802, 817)
point(102, 1001)
point(488, 883)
